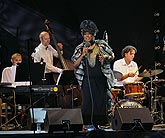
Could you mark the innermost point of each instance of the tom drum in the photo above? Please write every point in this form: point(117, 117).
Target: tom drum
point(134, 91)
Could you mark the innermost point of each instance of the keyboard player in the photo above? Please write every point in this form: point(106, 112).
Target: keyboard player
point(8, 77)
point(8, 73)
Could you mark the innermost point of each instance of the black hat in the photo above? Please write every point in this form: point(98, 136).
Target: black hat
point(88, 26)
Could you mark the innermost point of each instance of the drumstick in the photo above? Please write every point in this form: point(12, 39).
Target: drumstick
point(138, 69)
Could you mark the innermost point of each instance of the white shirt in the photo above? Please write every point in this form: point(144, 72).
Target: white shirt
point(121, 66)
point(8, 74)
point(47, 54)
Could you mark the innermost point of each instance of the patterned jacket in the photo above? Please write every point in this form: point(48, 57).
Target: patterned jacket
point(106, 52)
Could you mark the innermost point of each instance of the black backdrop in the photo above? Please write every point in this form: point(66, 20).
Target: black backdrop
point(127, 22)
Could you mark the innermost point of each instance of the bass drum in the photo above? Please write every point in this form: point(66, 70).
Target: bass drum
point(126, 103)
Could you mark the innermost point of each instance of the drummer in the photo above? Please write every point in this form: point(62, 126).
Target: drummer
point(127, 67)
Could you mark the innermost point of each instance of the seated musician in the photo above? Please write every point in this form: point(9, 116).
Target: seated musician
point(127, 67)
point(8, 73)
point(8, 77)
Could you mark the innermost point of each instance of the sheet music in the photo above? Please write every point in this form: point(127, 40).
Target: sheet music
point(58, 79)
point(22, 83)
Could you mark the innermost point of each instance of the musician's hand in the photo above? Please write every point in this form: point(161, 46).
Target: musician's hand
point(60, 45)
point(131, 74)
point(62, 70)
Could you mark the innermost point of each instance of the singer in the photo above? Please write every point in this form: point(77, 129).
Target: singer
point(92, 59)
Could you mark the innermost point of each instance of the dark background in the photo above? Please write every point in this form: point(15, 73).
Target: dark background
point(128, 22)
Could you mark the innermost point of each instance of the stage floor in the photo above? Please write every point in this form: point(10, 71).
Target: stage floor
point(158, 131)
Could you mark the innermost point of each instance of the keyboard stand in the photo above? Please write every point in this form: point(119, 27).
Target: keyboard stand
point(21, 113)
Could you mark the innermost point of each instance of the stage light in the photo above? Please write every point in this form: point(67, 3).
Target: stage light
point(157, 47)
point(157, 31)
point(156, 14)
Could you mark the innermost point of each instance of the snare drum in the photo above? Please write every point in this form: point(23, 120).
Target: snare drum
point(134, 91)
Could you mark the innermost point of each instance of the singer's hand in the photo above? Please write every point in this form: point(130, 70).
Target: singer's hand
point(85, 51)
point(101, 58)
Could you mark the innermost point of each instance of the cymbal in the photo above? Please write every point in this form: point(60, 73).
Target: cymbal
point(151, 73)
point(159, 80)
point(117, 74)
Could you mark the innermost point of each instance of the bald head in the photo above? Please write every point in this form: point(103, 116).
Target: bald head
point(44, 38)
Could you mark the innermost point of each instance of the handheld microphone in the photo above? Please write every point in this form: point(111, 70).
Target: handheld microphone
point(105, 36)
point(87, 44)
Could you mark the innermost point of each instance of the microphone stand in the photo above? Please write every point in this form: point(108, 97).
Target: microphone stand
point(30, 87)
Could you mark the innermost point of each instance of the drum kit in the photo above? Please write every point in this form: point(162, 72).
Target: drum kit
point(135, 93)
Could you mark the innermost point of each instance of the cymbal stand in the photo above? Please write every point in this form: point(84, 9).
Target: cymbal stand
point(152, 97)
point(155, 101)
point(152, 100)
point(159, 105)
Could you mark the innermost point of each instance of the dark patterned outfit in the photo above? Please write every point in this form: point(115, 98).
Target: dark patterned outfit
point(95, 79)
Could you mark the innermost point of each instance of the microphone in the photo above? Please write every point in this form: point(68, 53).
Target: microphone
point(42, 60)
point(87, 44)
point(105, 36)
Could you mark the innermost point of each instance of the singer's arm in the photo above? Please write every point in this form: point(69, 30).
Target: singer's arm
point(78, 61)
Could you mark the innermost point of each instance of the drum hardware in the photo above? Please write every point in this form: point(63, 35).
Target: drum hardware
point(115, 92)
point(155, 101)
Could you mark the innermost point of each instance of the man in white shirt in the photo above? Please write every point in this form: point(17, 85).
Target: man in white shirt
point(127, 66)
point(45, 52)
point(129, 70)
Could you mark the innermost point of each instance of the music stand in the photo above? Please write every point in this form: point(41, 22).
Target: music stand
point(22, 73)
point(37, 73)
point(67, 78)
point(33, 72)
